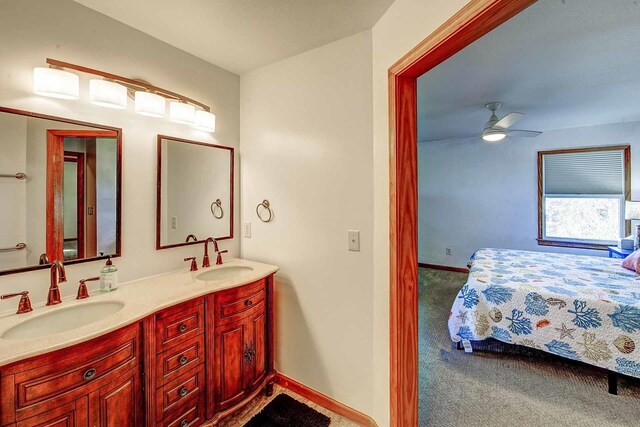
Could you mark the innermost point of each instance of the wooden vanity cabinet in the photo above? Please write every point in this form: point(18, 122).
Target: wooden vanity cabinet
point(96, 383)
point(196, 361)
point(242, 346)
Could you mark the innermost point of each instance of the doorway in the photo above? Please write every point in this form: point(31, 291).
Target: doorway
point(73, 188)
point(472, 22)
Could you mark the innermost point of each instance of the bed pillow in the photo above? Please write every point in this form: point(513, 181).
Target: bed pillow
point(632, 262)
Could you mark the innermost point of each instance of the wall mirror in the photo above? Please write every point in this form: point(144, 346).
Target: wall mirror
point(195, 192)
point(60, 182)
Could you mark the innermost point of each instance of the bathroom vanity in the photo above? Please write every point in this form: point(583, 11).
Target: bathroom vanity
point(177, 349)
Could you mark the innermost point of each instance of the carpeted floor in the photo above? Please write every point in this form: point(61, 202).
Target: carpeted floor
point(502, 385)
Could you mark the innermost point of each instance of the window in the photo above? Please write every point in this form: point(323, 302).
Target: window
point(581, 194)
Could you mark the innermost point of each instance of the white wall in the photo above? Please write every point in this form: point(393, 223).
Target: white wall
point(403, 26)
point(31, 31)
point(473, 195)
point(13, 159)
point(107, 205)
point(306, 147)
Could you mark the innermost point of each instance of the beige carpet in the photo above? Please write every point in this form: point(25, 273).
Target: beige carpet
point(503, 385)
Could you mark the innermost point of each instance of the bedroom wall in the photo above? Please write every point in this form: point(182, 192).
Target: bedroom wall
point(473, 195)
point(31, 31)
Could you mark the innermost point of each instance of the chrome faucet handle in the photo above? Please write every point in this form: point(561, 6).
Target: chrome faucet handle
point(83, 292)
point(219, 258)
point(24, 305)
point(194, 264)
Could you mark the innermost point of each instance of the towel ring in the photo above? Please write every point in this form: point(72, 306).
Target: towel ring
point(264, 205)
point(215, 207)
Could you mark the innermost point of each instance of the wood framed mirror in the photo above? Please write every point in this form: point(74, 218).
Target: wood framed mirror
point(61, 182)
point(194, 192)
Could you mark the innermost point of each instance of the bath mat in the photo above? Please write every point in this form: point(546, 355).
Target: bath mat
point(285, 411)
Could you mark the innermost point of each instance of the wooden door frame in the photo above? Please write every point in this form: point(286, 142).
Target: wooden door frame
point(54, 185)
point(476, 19)
point(78, 158)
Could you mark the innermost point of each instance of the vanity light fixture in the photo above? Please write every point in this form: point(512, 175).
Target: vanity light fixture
point(181, 112)
point(205, 121)
point(149, 104)
point(56, 83)
point(112, 91)
point(107, 94)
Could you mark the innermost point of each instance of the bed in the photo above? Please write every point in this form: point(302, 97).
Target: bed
point(583, 308)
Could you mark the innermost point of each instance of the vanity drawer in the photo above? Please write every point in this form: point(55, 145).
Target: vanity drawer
point(83, 366)
point(178, 392)
point(177, 360)
point(179, 323)
point(237, 303)
point(192, 415)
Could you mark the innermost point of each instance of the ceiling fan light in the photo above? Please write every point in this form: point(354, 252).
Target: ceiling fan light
point(493, 135)
point(107, 94)
point(56, 83)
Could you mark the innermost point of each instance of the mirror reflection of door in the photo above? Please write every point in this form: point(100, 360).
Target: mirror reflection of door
point(73, 200)
point(81, 206)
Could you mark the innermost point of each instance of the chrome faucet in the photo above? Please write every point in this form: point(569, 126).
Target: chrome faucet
point(205, 258)
point(58, 275)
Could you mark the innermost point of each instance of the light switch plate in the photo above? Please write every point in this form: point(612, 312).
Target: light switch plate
point(354, 240)
point(246, 229)
point(174, 222)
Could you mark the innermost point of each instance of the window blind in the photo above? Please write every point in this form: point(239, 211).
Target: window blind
point(586, 172)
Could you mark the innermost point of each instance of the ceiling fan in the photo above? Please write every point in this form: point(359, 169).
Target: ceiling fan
point(496, 129)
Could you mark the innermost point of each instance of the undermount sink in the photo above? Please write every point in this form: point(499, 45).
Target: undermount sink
point(224, 273)
point(62, 320)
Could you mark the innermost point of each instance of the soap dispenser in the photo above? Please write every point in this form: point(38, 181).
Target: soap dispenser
point(109, 277)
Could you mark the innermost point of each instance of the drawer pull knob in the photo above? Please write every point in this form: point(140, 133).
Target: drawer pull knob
point(89, 374)
point(182, 327)
point(183, 392)
point(183, 360)
point(248, 303)
point(184, 423)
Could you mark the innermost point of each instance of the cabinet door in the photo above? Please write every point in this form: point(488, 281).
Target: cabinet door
point(255, 347)
point(229, 364)
point(69, 415)
point(117, 404)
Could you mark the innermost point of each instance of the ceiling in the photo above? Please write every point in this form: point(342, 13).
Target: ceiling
point(242, 35)
point(565, 63)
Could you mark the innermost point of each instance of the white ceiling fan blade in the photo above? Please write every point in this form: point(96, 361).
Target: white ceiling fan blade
point(509, 120)
point(523, 133)
point(475, 136)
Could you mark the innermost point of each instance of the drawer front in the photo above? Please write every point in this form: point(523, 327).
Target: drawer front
point(80, 369)
point(176, 324)
point(192, 415)
point(236, 304)
point(178, 360)
point(175, 394)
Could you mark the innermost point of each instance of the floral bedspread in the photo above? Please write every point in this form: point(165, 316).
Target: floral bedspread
point(581, 307)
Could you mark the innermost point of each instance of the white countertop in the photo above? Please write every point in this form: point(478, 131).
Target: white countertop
point(141, 298)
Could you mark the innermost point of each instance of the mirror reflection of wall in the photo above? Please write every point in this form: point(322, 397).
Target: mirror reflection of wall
point(66, 208)
point(193, 176)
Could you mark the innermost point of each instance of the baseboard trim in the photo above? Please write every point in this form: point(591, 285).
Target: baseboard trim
point(325, 401)
point(443, 267)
